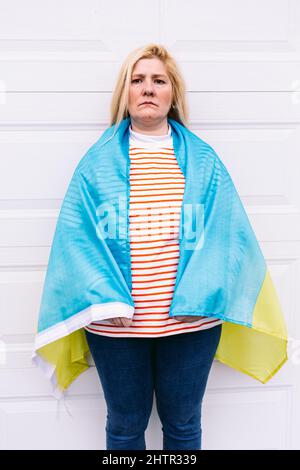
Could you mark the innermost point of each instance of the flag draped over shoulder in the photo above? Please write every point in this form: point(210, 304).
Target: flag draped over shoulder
point(221, 273)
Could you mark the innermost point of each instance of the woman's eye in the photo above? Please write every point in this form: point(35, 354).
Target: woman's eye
point(157, 80)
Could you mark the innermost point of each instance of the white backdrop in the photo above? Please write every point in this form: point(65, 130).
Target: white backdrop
point(58, 66)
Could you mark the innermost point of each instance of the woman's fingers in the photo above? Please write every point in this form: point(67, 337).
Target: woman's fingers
point(126, 321)
point(121, 321)
point(188, 318)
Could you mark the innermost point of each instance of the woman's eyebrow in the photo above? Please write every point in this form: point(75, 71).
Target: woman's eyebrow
point(153, 75)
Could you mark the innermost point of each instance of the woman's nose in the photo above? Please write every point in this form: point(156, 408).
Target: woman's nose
point(148, 88)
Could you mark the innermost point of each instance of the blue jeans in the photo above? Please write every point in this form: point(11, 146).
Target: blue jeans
point(176, 367)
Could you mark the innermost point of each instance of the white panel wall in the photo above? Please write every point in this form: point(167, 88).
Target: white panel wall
point(58, 66)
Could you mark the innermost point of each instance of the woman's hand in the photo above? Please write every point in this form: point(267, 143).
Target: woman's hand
point(187, 318)
point(121, 321)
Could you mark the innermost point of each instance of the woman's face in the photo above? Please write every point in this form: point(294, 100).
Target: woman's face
point(149, 82)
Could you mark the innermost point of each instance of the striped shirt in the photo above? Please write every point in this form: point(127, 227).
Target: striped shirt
point(156, 193)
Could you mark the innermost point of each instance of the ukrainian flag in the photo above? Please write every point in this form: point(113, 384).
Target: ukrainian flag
point(259, 350)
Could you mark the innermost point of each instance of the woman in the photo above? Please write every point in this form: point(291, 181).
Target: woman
point(144, 356)
point(149, 302)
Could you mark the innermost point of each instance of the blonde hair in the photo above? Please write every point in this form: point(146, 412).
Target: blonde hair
point(119, 101)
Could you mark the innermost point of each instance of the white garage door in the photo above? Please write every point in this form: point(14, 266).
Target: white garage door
point(58, 65)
